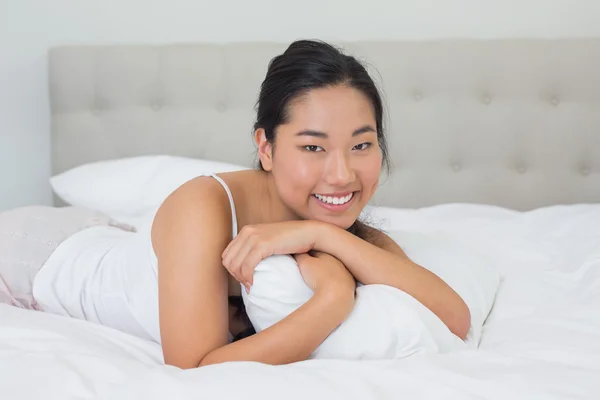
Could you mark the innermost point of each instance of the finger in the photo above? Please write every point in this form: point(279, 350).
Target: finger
point(229, 251)
point(247, 272)
point(224, 253)
point(241, 238)
point(250, 263)
point(235, 247)
point(239, 261)
point(233, 271)
point(228, 267)
point(255, 256)
point(232, 264)
point(236, 272)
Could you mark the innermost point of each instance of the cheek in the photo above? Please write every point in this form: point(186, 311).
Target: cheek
point(370, 182)
point(369, 176)
point(296, 178)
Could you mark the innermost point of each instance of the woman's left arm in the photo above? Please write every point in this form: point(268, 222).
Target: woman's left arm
point(385, 263)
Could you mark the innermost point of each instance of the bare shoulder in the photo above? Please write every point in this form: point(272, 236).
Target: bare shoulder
point(196, 204)
point(195, 192)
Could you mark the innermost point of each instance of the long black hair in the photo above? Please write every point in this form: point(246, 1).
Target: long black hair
point(306, 65)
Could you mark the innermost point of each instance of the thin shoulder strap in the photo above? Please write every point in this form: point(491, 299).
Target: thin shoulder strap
point(233, 215)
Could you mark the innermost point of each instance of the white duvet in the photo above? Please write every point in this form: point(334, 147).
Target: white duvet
point(541, 340)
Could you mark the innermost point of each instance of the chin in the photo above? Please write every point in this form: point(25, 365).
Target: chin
point(343, 222)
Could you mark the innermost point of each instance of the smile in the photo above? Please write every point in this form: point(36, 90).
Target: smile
point(335, 203)
point(334, 200)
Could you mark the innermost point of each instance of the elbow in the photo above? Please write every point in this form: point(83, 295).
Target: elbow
point(460, 323)
point(211, 359)
point(183, 361)
point(206, 361)
point(193, 364)
point(183, 364)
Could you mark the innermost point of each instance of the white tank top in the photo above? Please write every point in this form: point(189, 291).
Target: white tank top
point(109, 276)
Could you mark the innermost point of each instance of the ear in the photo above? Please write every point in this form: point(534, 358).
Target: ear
point(265, 149)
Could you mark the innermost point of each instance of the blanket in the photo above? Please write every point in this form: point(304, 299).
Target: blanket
point(28, 236)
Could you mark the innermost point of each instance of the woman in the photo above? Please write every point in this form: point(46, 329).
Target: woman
point(321, 148)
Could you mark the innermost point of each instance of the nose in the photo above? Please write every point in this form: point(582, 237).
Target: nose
point(339, 172)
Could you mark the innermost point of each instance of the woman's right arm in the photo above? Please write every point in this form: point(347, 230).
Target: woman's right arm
point(293, 338)
point(190, 231)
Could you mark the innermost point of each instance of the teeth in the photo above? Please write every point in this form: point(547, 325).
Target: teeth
point(334, 200)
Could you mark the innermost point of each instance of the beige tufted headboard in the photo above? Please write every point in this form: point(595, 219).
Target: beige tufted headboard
point(514, 123)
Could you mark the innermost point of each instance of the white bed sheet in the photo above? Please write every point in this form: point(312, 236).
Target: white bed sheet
point(542, 340)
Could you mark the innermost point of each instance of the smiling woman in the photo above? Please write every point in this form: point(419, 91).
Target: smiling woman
point(321, 149)
point(336, 160)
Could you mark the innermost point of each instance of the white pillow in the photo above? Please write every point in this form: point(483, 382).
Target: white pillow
point(472, 274)
point(385, 322)
point(131, 189)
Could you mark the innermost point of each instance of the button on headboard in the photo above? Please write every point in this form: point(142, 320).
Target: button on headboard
point(514, 123)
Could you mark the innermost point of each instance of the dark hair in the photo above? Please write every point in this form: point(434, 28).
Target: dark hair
point(240, 313)
point(307, 65)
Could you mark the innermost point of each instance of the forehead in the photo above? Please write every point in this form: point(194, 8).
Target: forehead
point(331, 108)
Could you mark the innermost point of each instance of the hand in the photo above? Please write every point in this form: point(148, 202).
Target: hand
point(256, 242)
point(323, 272)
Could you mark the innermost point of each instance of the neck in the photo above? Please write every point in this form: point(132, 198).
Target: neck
point(272, 209)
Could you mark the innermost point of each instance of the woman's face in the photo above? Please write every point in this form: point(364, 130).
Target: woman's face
point(326, 160)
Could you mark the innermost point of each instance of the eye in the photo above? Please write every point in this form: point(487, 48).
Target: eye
point(313, 148)
point(362, 146)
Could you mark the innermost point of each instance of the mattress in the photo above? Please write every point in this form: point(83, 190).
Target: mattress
point(541, 340)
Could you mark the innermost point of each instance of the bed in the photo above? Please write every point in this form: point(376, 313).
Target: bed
point(497, 142)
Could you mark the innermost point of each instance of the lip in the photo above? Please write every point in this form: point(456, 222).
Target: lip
point(336, 207)
point(336, 194)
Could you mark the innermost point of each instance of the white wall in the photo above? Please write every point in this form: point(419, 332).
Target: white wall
point(29, 27)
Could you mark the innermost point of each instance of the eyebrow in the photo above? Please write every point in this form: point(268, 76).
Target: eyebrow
point(309, 132)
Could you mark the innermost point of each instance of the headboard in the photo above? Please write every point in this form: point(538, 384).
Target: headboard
point(513, 123)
